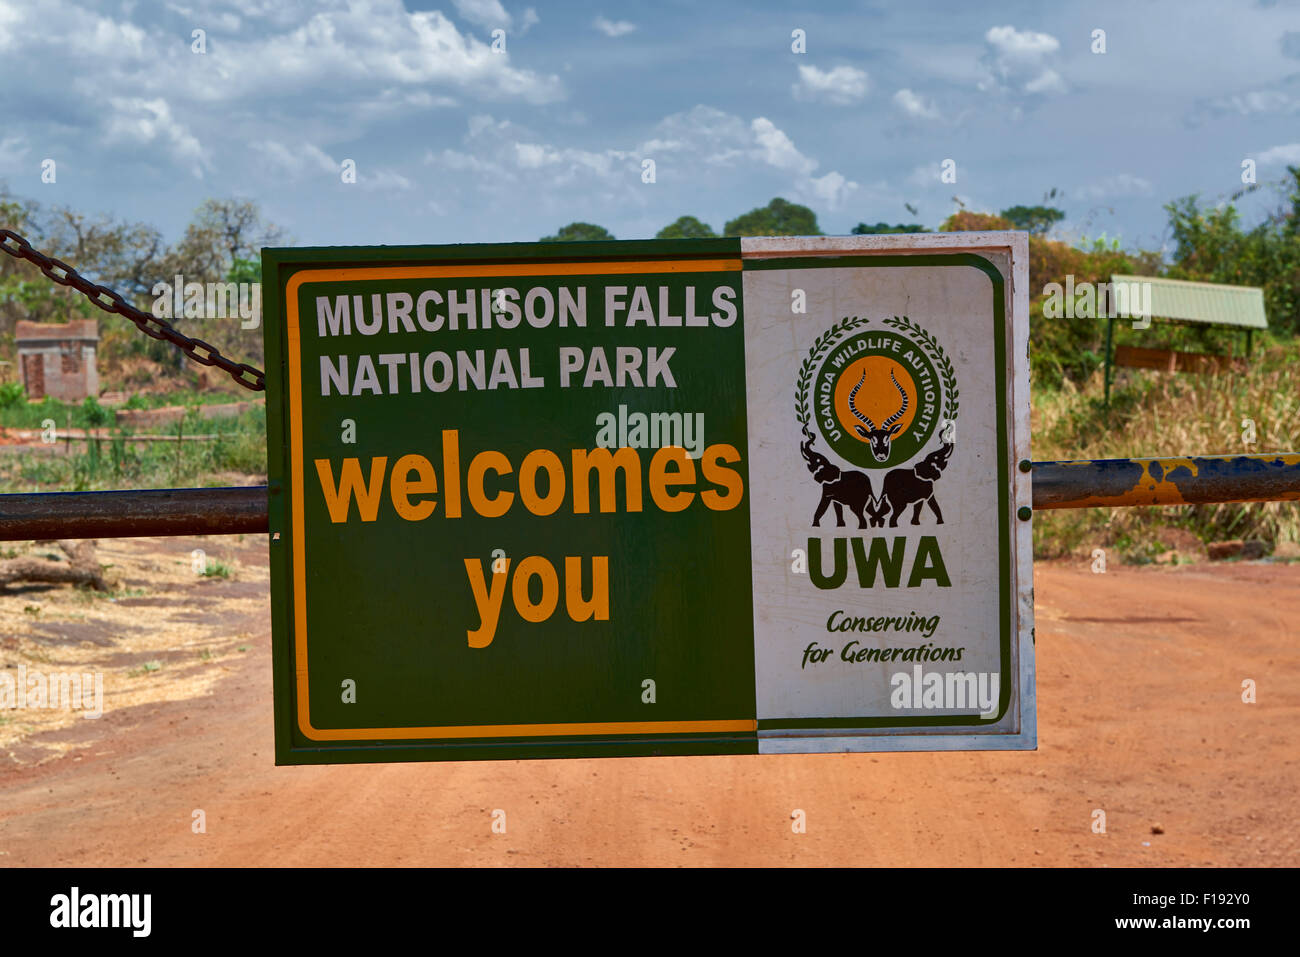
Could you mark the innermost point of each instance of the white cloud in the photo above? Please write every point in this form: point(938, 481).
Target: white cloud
point(1253, 101)
point(8, 17)
point(1288, 154)
point(720, 139)
point(779, 150)
point(613, 28)
point(832, 189)
point(534, 155)
point(729, 142)
point(481, 121)
point(1049, 81)
point(703, 139)
point(296, 160)
point(915, 105)
point(842, 85)
point(13, 152)
point(415, 48)
point(403, 101)
point(382, 179)
point(484, 13)
point(1017, 62)
point(661, 146)
point(353, 50)
point(1282, 98)
point(308, 157)
point(926, 175)
point(352, 62)
point(490, 14)
point(1121, 184)
point(501, 153)
point(458, 161)
point(145, 122)
point(569, 163)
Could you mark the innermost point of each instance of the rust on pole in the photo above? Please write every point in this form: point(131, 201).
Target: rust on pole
point(1198, 480)
point(176, 511)
point(1092, 483)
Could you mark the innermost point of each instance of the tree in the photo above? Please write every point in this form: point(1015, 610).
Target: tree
point(245, 270)
point(1210, 246)
point(1036, 220)
point(579, 232)
point(780, 217)
point(223, 232)
point(686, 227)
point(126, 256)
point(24, 292)
point(222, 244)
point(862, 229)
point(964, 221)
point(1072, 349)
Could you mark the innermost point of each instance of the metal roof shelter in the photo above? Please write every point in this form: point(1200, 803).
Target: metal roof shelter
point(1183, 302)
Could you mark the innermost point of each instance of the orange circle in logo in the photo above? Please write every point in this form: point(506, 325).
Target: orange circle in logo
point(877, 396)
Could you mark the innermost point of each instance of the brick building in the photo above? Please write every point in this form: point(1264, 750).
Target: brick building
point(58, 360)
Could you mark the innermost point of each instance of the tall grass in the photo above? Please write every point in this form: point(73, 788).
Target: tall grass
point(1159, 414)
point(118, 463)
point(18, 413)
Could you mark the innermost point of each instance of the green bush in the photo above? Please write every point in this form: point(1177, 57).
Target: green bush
point(94, 414)
point(1158, 414)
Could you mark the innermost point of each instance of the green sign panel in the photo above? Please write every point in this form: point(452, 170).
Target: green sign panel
point(552, 500)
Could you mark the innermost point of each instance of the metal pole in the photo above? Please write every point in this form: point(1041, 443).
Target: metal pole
point(1199, 480)
point(184, 511)
point(1091, 483)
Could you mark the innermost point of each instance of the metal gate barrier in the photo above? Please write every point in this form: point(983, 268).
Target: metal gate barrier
point(1090, 483)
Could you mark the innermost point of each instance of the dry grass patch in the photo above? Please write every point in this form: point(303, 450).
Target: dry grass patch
point(165, 633)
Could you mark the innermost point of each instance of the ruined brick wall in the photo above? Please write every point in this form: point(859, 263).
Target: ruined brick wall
point(58, 360)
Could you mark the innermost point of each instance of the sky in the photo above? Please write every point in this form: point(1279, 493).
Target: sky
point(454, 140)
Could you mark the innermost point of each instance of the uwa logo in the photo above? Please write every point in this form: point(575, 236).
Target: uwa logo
point(876, 397)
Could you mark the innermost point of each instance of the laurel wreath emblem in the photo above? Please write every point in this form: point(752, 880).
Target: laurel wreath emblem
point(815, 354)
point(937, 356)
point(823, 343)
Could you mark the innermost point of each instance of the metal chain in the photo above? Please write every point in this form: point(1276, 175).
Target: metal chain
point(201, 352)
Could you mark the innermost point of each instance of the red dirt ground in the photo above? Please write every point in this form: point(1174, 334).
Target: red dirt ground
point(1140, 676)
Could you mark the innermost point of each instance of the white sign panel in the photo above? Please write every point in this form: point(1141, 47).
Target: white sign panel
point(888, 408)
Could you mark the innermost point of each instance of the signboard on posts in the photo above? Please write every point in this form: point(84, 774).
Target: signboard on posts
point(631, 498)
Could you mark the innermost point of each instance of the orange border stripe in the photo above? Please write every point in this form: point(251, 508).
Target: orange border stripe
point(296, 483)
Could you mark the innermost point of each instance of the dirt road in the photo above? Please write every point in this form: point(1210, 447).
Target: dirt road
point(1141, 716)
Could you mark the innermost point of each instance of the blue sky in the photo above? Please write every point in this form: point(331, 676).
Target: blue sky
point(454, 142)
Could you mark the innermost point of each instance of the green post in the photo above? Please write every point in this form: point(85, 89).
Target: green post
point(1110, 334)
point(1249, 332)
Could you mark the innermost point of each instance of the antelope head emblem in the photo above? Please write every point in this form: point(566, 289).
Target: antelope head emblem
point(878, 437)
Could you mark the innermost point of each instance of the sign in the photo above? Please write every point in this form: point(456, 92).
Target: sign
point(632, 498)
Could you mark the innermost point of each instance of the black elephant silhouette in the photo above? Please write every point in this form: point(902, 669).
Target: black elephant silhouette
point(839, 488)
point(914, 486)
